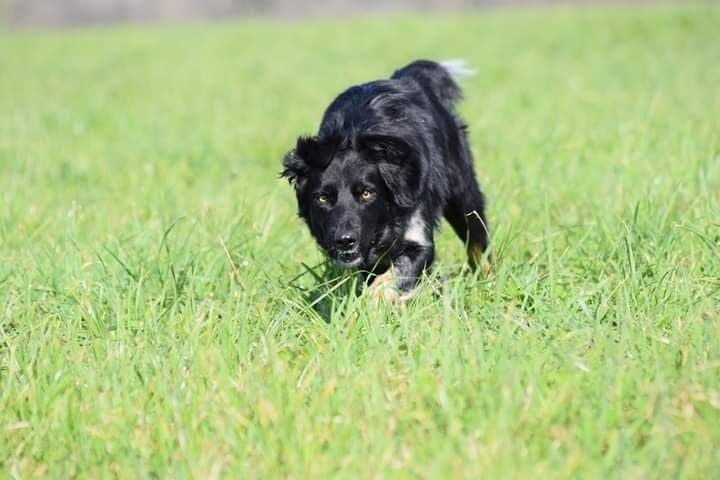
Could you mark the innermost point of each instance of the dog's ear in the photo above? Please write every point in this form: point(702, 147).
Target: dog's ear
point(398, 165)
point(295, 163)
point(309, 153)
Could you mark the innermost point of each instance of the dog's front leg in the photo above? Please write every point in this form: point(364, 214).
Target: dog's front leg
point(399, 281)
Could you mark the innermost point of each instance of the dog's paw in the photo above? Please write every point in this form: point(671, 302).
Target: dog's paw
point(388, 296)
point(480, 261)
point(384, 290)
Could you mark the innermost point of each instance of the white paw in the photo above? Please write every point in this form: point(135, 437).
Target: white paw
point(384, 289)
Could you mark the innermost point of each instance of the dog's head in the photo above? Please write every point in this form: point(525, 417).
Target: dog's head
point(350, 193)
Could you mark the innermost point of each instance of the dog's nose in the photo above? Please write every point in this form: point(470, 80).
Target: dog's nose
point(345, 243)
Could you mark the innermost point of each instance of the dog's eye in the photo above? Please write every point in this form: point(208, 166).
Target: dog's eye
point(322, 199)
point(367, 195)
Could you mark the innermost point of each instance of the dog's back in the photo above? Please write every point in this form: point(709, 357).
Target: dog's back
point(435, 78)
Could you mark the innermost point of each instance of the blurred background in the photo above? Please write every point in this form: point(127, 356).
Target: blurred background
point(30, 13)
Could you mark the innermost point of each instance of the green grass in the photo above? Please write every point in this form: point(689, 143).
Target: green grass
point(156, 316)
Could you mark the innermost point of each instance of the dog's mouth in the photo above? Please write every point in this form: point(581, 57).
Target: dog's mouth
point(349, 259)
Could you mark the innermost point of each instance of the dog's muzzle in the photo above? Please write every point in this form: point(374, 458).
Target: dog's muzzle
point(348, 258)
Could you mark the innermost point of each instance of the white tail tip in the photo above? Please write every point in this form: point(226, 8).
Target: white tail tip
point(458, 68)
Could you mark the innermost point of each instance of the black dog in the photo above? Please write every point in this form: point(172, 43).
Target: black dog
point(391, 157)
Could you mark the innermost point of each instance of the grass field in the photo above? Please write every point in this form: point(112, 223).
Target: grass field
point(159, 314)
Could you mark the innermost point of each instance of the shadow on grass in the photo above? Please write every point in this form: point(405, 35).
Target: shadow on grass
point(323, 286)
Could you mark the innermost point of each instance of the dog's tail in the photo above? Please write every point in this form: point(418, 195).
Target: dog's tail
point(438, 78)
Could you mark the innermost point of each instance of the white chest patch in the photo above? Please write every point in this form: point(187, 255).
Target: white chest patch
point(417, 230)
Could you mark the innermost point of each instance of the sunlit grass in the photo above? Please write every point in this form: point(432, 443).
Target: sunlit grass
point(164, 313)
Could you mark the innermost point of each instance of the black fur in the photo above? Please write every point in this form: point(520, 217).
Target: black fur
point(390, 158)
